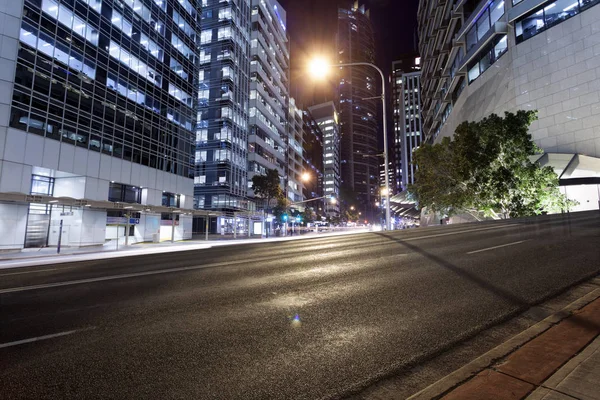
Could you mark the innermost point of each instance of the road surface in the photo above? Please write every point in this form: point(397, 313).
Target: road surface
point(306, 319)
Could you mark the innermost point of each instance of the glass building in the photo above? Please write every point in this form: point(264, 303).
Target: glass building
point(221, 158)
point(100, 104)
point(406, 101)
point(326, 117)
point(358, 107)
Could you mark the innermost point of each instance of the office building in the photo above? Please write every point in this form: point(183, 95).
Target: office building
point(221, 156)
point(484, 57)
point(98, 105)
point(313, 160)
point(406, 103)
point(326, 117)
point(358, 107)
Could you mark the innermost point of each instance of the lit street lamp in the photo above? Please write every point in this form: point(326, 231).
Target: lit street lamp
point(319, 68)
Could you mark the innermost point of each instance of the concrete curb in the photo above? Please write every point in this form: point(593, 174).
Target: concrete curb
point(444, 385)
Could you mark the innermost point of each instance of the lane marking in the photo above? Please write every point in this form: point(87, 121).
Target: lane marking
point(133, 275)
point(32, 272)
point(498, 247)
point(37, 339)
point(459, 232)
point(195, 267)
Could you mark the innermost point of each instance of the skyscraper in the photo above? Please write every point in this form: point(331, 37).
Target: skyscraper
point(358, 107)
point(326, 117)
point(408, 130)
point(269, 95)
point(99, 104)
point(223, 120)
point(295, 153)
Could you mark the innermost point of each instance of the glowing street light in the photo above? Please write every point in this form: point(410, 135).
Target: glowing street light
point(319, 68)
point(305, 177)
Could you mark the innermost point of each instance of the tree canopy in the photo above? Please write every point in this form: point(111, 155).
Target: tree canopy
point(486, 167)
point(268, 186)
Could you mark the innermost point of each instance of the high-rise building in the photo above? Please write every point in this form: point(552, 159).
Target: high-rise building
point(223, 111)
point(358, 106)
point(269, 95)
point(481, 57)
point(295, 153)
point(408, 129)
point(98, 105)
point(326, 117)
point(313, 159)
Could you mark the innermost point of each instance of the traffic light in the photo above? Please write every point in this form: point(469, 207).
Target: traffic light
point(284, 217)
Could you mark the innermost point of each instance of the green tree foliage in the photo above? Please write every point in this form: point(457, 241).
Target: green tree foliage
point(487, 168)
point(268, 187)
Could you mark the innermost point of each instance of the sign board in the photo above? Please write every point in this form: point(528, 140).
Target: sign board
point(66, 214)
point(121, 221)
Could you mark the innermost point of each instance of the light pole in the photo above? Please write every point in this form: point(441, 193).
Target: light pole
point(319, 68)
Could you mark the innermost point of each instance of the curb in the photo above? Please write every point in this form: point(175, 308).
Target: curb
point(463, 374)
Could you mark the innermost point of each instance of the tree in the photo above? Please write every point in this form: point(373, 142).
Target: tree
point(267, 187)
point(487, 168)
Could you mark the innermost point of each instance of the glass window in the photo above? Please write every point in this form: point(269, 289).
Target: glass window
point(124, 25)
point(471, 38)
point(206, 36)
point(500, 48)
point(530, 26)
point(483, 25)
point(484, 63)
point(474, 72)
point(559, 11)
point(72, 22)
point(496, 10)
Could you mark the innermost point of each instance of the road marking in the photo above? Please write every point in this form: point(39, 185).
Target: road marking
point(31, 272)
point(191, 268)
point(134, 275)
point(497, 247)
point(458, 233)
point(37, 339)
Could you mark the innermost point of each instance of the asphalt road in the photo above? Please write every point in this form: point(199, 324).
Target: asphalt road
point(306, 319)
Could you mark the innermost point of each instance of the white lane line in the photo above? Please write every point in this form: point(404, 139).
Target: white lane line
point(191, 268)
point(32, 272)
point(133, 275)
point(458, 232)
point(498, 247)
point(37, 339)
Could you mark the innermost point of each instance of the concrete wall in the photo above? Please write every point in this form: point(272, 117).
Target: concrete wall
point(556, 72)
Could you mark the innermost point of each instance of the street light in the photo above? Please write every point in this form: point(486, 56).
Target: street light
point(305, 177)
point(319, 68)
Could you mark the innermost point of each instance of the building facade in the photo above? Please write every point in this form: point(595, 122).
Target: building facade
point(313, 160)
point(482, 57)
point(295, 154)
point(269, 95)
point(358, 107)
point(326, 117)
point(221, 157)
point(98, 100)
point(408, 129)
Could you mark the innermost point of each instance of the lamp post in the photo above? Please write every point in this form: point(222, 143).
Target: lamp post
point(320, 68)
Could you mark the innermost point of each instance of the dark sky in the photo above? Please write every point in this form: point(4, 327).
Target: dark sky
point(312, 26)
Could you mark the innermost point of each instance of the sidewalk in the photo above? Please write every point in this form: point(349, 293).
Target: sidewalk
point(559, 361)
point(48, 255)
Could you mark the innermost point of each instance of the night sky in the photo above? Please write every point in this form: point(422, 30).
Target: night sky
point(312, 26)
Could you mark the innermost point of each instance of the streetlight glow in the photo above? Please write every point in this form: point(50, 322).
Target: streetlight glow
point(319, 68)
point(305, 177)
